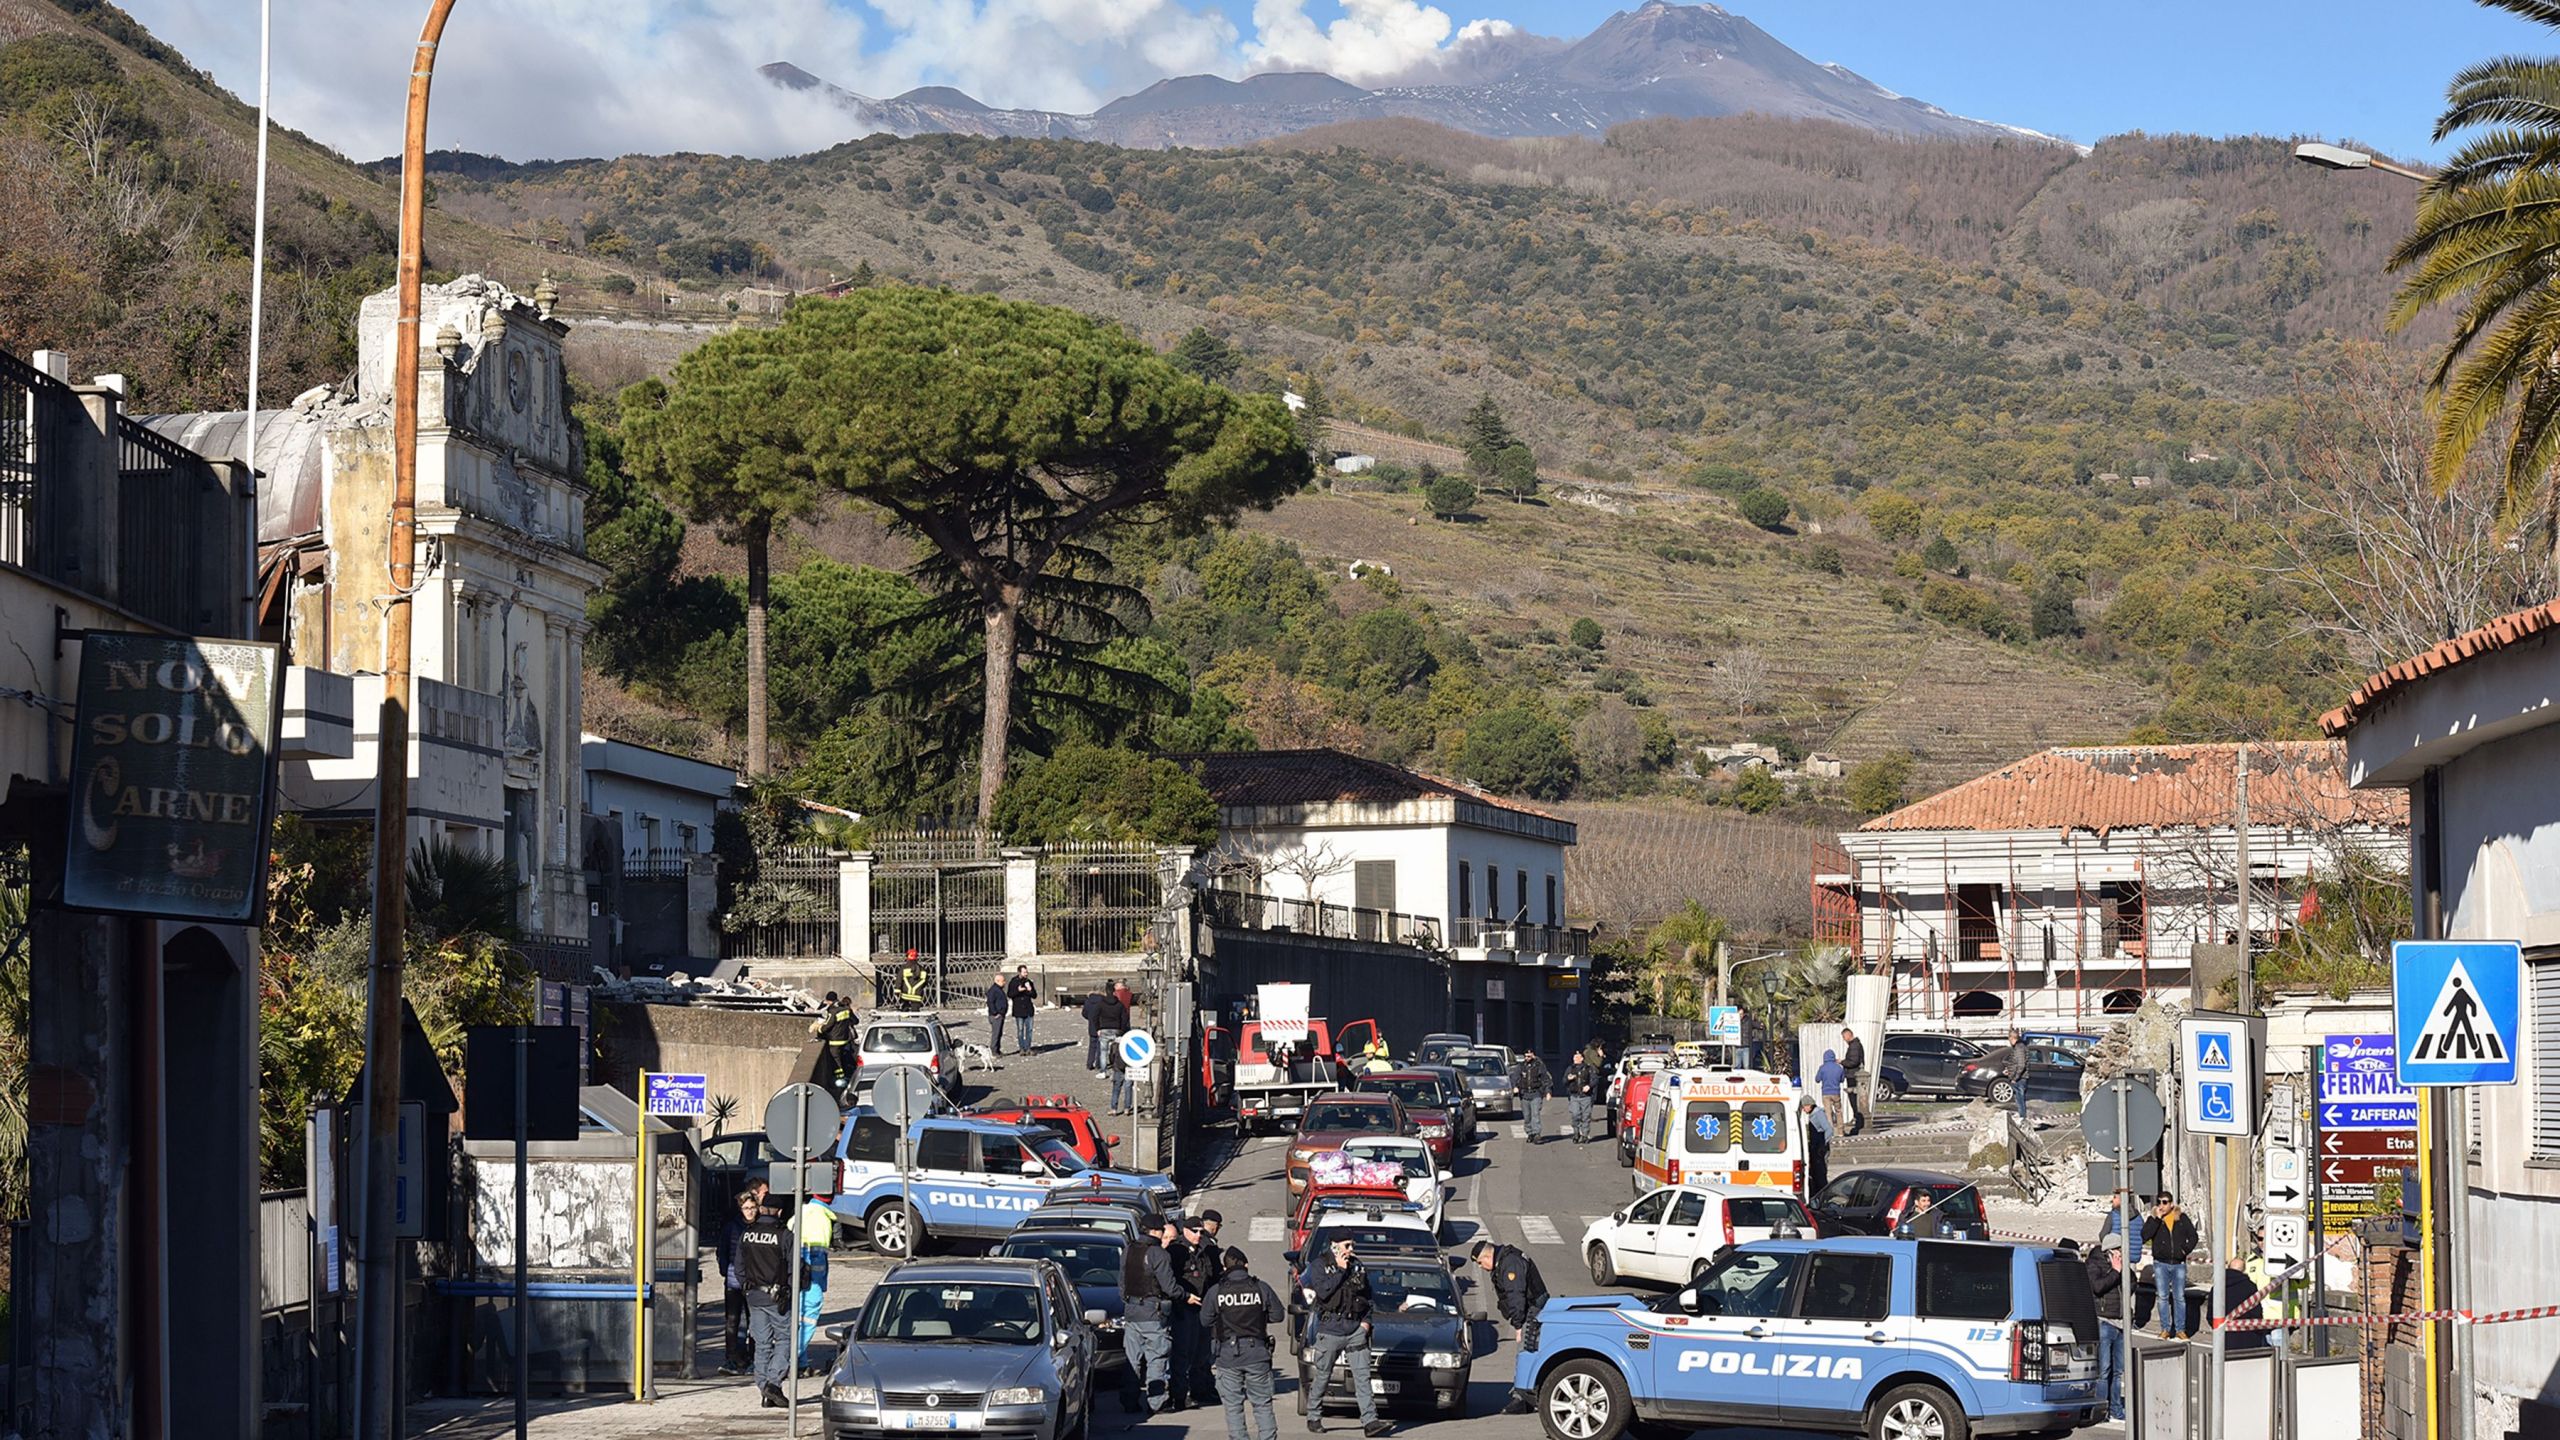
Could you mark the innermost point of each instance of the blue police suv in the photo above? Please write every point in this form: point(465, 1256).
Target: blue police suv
point(970, 1178)
point(1893, 1339)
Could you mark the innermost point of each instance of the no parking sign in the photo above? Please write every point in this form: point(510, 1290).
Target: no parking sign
point(1137, 1049)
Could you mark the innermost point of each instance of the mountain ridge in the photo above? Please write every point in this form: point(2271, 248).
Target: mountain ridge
point(1658, 61)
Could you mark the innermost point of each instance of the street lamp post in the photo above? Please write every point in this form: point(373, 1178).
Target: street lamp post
point(2340, 157)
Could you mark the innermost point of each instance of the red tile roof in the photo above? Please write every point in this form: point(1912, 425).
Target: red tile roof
point(2498, 634)
point(2154, 787)
point(1245, 778)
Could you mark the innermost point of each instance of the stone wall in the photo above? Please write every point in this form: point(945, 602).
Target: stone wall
point(746, 1054)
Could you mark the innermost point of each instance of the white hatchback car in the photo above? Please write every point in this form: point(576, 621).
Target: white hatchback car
point(1424, 1182)
point(1672, 1234)
point(897, 1038)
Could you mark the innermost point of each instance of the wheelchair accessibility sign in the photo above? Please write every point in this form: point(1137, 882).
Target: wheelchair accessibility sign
point(2219, 1086)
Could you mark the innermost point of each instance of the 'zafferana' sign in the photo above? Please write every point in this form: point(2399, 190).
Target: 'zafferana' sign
point(171, 764)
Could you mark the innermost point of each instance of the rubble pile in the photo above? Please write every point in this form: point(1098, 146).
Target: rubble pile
point(746, 994)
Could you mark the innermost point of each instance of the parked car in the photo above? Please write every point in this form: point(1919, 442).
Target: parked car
point(1672, 1234)
point(1892, 1339)
point(1637, 1060)
point(1426, 1101)
point(1072, 1122)
point(1876, 1201)
point(968, 1177)
point(1891, 1083)
point(1931, 1064)
point(1462, 1101)
point(1630, 1115)
point(1426, 1181)
point(1004, 1343)
point(2052, 1074)
point(1332, 1119)
point(1488, 1069)
point(1091, 1260)
point(895, 1038)
point(1419, 1356)
point(1376, 1215)
point(1436, 1049)
point(2076, 1041)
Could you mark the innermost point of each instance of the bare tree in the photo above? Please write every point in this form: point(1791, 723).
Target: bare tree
point(1310, 866)
point(2380, 554)
point(1741, 676)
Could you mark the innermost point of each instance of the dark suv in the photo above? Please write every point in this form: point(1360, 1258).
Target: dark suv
point(1873, 1202)
point(1930, 1063)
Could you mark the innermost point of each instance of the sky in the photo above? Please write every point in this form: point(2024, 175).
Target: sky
point(531, 79)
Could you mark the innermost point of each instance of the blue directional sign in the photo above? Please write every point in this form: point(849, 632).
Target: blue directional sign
point(2456, 1010)
point(2360, 1085)
point(679, 1095)
point(1724, 1024)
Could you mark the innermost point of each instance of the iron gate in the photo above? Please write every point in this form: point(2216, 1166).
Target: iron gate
point(941, 895)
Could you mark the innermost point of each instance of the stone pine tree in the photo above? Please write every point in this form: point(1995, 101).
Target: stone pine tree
point(1204, 355)
point(719, 441)
point(1014, 440)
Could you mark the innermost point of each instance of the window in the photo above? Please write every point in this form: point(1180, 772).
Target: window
point(1768, 1214)
point(2542, 1045)
point(1974, 1004)
point(1707, 1127)
point(1763, 1124)
point(1520, 887)
point(1552, 917)
point(1648, 1211)
point(1869, 1192)
point(1003, 1155)
point(1749, 1282)
point(874, 1140)
point(1493, 893)
point(943, 1150)
point(1466, 890)
point(2120, 915)
point(1848, 1287)
point(1963, 1282)
point(1373, 884)
point(1688, 1209)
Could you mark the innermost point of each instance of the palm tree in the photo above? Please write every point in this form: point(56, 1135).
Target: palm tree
point(2487, 239)
point(455, 891)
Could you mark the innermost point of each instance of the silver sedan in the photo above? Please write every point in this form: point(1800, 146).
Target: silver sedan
point(992, 1346)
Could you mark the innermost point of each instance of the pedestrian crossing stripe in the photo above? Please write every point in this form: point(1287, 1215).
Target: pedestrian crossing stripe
point(2454, 1030)
point(1539, 1230)
point(1266, 1229)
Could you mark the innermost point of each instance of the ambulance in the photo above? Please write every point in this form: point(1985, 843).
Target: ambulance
point(1723, 1124)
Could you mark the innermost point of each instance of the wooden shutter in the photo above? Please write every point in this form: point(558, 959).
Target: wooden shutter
point(2542, 1053)
point(1373, 884)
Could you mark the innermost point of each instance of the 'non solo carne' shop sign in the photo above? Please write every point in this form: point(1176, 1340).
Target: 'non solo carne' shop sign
point(171, 764)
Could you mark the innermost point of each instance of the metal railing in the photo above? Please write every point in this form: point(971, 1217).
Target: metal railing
point(1469, 933)
point(1247, 910)
point(36, 416)
point(1098, 897)
point(166, 498)
point(788, 910)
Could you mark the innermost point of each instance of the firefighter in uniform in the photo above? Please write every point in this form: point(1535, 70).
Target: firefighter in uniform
point(1239, 1312)
point(913, 981)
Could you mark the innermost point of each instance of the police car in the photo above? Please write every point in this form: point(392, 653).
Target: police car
point(971, 1178)
point(1894, 1339)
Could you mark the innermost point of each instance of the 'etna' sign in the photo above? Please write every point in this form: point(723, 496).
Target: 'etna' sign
point(170, 765)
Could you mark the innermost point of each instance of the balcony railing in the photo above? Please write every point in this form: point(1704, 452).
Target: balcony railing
point(118, 512)
point(1243, 910)
point(1470, 933)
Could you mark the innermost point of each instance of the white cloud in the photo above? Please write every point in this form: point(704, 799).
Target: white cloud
point(558, 78)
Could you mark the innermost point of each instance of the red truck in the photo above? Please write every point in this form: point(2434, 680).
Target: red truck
point(1269, 1085)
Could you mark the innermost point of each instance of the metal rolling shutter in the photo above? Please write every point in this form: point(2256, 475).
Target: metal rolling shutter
point(2542, 1053)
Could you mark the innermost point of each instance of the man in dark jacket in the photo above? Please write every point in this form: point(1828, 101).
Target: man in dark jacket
point(997, 1006)
point(1151, 1299)
point(1200, 1264)
point(1529, 1074)
point(1584, 1083)
point(1022, 993)
point(733, 1290)
point(1853, 1063)
point(1519, 1291)
point(1184, 1251)
point(1337, 1290)
point(1238, 1312)
point(2170, 1237)
point(1094, 1002)
point(2106, 1287)
point(765, 1244)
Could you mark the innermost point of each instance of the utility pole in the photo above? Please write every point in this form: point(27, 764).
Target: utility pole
point(378, 1319)
point(2247, 981)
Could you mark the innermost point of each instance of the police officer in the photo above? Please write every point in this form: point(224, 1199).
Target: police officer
point(913, 981)
point(1583, 1083)
point(1183, 1251)
point(1337, 1288)
point(1199, 1262)
point(1529, 1074)
point(1150, 1293)
point(764, 1273)
point(1238, 1312)
point(1518, 1289)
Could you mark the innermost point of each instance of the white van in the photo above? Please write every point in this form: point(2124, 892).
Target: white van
point(1722, 1124)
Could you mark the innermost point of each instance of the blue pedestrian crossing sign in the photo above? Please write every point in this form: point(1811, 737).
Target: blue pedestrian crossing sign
point(2213, 1052)
point(2456, 1010)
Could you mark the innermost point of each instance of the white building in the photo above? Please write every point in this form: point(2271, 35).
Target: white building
point(499, 615)
point(2079, 881)
point(2470, 733)
point(660, 806)
point(1407, 855)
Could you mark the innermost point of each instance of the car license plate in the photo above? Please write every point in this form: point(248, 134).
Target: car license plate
point(931, 1420)
point(1385, 1387)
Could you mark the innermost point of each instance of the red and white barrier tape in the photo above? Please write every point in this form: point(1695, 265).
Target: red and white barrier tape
point(2458, 1317)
